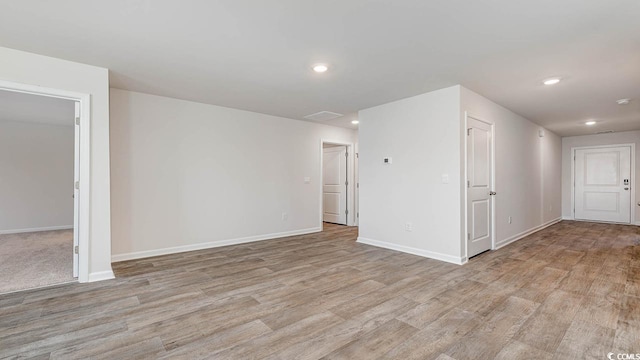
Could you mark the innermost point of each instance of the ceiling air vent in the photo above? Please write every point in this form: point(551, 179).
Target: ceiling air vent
point(605, 132)
point(323, 116)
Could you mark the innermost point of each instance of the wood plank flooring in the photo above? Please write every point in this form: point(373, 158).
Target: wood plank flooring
point(571, 291)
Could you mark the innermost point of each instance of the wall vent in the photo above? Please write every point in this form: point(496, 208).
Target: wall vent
point(605, 132)
point(323, 116)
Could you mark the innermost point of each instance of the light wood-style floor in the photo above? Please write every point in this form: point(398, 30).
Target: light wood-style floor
point(571, 291)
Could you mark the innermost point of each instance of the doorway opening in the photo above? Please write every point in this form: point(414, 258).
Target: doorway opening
point(603, 183)
point(42, 206)
point(338, 164)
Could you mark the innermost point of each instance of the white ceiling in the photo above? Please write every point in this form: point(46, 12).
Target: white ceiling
point(256, 55)
point(16, 106)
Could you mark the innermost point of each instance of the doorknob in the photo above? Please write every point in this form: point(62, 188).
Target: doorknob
point(626, 188)
point(492, 193)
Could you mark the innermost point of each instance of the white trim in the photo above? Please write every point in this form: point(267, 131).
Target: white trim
point(102, 275)
point(350, 178)
point(633, 176)
point(208, 245)
point(413, 251)
point(84, 192)
point(45, 228)
point(568, 218)
point(526, 233)
point(637, 223)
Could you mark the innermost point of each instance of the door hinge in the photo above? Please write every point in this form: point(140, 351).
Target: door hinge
point(468, 236)
point(346, 154)
point(346, 212)
point(468, 131)
point(346, 183)
point(77, 185)
point(468, 183)
point(77, 121)
point(357, 155)
point(357, 185)
point(75, 249)
point(357, 214)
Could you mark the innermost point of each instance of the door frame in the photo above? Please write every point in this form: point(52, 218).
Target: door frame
point(350, 178)
point(84, 191)
point(468, 115)
point(632, 204)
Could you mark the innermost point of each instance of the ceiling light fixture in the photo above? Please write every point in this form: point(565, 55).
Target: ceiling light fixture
point(551, 81)
point(320, 68)
point(623, 101)
point(589, 123)
point(355, 122)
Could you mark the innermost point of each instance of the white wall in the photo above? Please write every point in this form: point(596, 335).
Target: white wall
point(188, 175)
point(425, 137)
point(26, 68)
point(527, 169)
point(36, 176)
point(626, 137)
point(422, 136)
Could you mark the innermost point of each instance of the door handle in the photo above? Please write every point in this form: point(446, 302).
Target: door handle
point(626, 188)
point(492, 193)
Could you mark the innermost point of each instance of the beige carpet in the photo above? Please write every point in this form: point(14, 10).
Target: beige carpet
point(37, 259)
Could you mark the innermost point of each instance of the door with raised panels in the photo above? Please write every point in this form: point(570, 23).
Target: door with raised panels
point(479, 186)
point(602, 188)
point(334, 185)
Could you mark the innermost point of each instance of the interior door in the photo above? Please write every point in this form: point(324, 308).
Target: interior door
point(334, 185)
point(603, 184)
point(479, 186)
point(76, 192)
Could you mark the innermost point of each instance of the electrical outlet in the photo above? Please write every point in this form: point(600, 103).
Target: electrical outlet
point(408, 226)
point(285, 216)
point(510, 219)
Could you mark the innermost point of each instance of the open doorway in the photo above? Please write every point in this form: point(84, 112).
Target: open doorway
point(39, 169)
point(338, 184)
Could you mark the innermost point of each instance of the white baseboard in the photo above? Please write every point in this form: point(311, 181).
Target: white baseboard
point(414, 251)
point(526, 233)
point(102, 275)
point(568, 218)
point(46, 228)
point(208, 245)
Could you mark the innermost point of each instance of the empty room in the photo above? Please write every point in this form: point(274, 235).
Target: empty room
point(292, 179)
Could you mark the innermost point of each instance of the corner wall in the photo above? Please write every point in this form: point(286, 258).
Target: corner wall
point(625, 137)
point(527, 169)
point(422, 136)
point(188, 176)
point(32, 69)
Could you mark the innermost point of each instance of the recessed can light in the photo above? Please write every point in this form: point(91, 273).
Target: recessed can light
point(320, 68)
point(551, 81)
point(355, 122)
point(623, 101)
point(589, 123)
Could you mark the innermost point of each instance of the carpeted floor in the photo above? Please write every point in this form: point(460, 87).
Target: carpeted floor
point(37, 259)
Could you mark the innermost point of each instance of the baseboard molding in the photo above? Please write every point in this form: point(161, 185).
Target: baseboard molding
point(102, 275)
point(413, 251)
point(208, 245)
point(46, 228)
point(526, 233)
point(568, 218)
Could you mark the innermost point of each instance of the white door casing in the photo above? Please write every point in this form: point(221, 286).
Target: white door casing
point(479, 186)
point(334, 185)
point(76, 191)
point(602, 184)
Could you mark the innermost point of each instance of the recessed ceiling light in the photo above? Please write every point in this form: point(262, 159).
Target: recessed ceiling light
point(551, 81)
point(589, 123)
point(320, 68)
point(355, 122)
point(623, 101)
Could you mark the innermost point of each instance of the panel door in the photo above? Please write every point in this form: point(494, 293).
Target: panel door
point(603, 184)
point(334, 185)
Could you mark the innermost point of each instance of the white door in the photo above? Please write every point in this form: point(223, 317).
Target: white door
point(76, 192)
point(334, 185)
point(479, 187)
point(603, 184)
